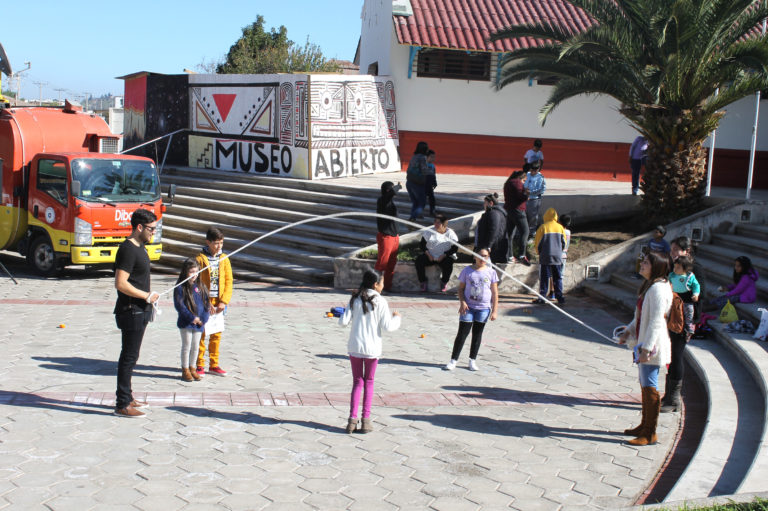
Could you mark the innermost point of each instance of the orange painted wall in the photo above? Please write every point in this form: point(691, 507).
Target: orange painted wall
point(563, 159)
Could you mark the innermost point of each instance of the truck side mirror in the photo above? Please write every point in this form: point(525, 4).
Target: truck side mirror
point(75, 188)
point(171, 194)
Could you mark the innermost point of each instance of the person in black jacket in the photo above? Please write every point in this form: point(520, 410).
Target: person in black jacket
point(387, 237)
point(492, 229)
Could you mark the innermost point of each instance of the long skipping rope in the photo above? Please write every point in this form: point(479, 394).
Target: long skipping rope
point(406, 222)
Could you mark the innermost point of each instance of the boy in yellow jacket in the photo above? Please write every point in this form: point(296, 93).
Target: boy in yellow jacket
point(218, 277)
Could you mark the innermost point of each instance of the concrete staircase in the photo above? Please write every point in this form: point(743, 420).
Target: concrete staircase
point(246, 207)
point(732, 457)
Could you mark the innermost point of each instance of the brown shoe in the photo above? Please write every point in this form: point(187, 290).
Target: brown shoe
point(351, 425)
point(139, 404)
point(185, 374)
point(195, 376)
point(367, 426)
point(129, 412)
point(653, 404)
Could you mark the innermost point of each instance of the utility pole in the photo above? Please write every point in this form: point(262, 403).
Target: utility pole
point(17, 75)
point(40, 85)
point(60, 91)
point(85, 106)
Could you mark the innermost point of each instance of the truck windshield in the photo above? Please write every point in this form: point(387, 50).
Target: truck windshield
point(116, 180)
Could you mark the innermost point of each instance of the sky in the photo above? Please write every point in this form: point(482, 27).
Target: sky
point(83, 46)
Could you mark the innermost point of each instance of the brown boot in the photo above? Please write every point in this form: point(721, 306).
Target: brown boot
point(351, 425)
point(185, 376)
point(637, 430)
point(367, 426)
point(193, 373)
point(648, 435)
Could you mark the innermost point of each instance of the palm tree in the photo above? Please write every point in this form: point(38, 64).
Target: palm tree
point(662, 60)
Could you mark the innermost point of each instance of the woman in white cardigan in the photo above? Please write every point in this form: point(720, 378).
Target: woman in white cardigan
point(369, 314)
point(648, 336)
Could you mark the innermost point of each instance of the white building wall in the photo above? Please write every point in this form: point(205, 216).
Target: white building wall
point(735, 130)
point(474, 107)
point(376, 35)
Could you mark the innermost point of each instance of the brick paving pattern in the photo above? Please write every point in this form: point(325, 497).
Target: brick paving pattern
point(538, 427)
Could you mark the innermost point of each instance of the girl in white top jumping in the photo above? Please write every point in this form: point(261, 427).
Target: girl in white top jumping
point(369, 314)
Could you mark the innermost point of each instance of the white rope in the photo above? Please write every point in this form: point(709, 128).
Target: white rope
point(406, 222)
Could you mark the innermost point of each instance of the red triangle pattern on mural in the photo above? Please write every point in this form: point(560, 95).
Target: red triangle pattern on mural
point(224, 104)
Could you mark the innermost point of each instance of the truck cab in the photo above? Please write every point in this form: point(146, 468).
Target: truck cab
point(66, 197)
point(80, 207)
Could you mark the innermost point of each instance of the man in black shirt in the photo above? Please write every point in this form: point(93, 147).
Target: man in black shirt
point(133, 307)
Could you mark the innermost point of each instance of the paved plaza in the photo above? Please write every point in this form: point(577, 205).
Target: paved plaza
point(538, 427)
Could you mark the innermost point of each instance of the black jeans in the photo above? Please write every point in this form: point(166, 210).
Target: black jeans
point(477, 338)
point(676, 365)
point(132, 323)
point(430, 182)
point(446, 266)
point(517, 232)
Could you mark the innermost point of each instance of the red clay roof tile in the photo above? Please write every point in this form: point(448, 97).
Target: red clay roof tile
point(467, 24)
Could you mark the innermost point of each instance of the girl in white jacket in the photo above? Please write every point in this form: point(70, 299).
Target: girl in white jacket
point(648, 336)
point(369, 313)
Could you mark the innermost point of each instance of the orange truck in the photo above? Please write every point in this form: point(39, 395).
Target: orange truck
point(66, 197)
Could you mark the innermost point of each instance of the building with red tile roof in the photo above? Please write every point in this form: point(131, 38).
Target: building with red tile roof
point(444, 70)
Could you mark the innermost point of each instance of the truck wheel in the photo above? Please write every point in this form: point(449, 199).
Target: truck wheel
point(42, 257)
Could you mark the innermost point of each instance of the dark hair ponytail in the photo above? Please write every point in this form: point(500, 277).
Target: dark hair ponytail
point(370, 278)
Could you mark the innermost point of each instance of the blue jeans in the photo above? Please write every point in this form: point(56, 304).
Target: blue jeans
point(721, 300)
point(418, 195)
point(636, 166)
point(649, 375)
point(556, 272)
point(478, 315)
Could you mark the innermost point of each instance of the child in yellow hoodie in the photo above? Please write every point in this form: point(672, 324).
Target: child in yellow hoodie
point(217, 276)
point(549, 244)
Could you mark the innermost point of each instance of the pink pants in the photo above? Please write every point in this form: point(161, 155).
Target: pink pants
point(363, 372)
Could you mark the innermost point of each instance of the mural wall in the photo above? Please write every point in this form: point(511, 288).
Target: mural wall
point(265, 124)
point(353, 126)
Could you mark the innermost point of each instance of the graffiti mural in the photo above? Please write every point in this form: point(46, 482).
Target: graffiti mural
point(353, 126)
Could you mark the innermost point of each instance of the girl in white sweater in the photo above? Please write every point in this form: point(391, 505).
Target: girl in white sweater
point(369, 313)
point(648, 336)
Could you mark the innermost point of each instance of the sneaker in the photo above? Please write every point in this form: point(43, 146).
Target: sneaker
point(511, 260)
point(423, 287)
point(444, 289)
point(538, 301)
point(473, 365)
point(524, 260)
point(450, 366)
point(129, 412)
point(561, 301)
point(216, 370)
point(139, 404)
point(200, 370)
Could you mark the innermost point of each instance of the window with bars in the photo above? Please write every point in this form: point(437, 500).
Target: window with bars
point(454, 64)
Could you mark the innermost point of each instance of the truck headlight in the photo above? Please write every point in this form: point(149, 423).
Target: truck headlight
point(83, 232)
point(158, 236)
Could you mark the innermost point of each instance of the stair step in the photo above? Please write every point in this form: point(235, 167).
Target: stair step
point(747, 245)
point(260, 249)
point(733, 430)
point(753, 231)
point(310, 230)
point(728, 255)
point(259, 264)
point(317, 244)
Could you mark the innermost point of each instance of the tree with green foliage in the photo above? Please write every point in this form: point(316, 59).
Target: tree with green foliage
point(261, 52)
point(663, 61)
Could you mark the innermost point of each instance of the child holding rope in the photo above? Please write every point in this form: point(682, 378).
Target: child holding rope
point(369, 314)
point(191, 302)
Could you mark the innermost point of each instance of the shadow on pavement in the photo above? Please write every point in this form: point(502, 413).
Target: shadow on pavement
point(251, 418)
point(97, 367)
point(506, 427)
point(393, 361)
point(29, 400)
point(527, 396)
point(553, 322)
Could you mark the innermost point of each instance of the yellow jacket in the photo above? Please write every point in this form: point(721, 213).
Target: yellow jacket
point(225, 276)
